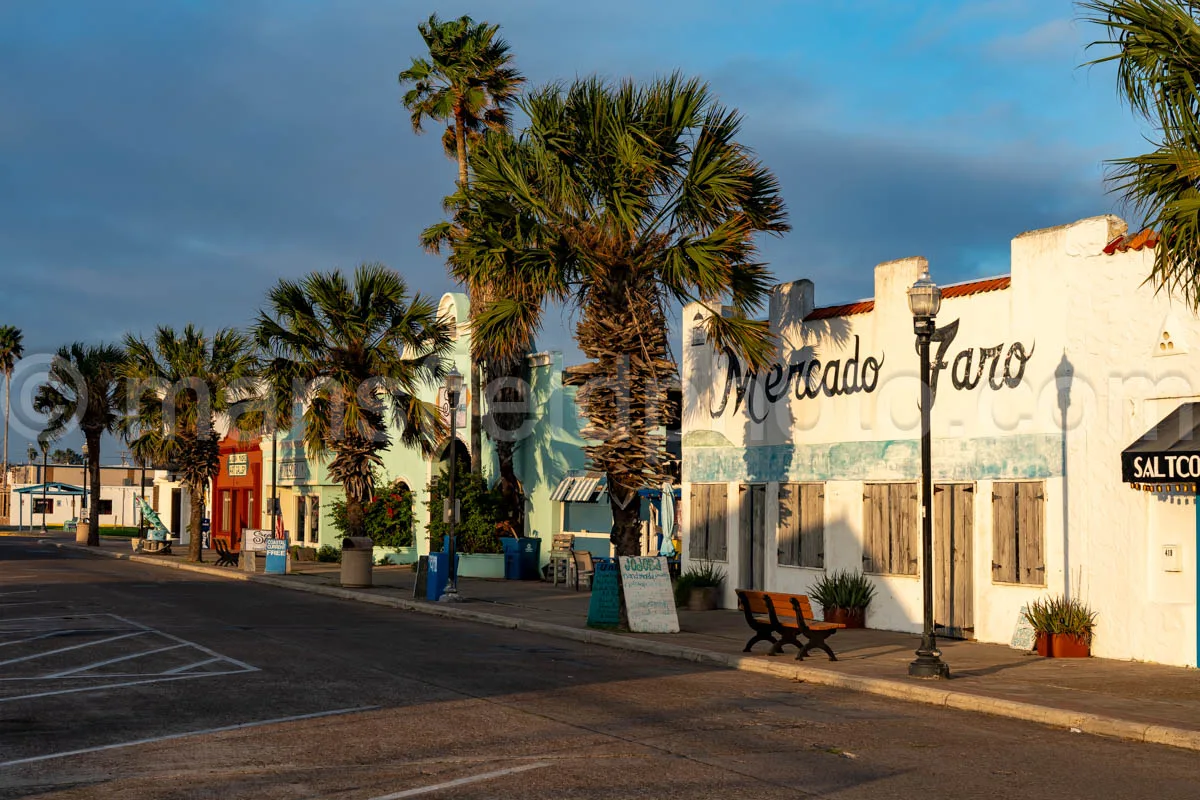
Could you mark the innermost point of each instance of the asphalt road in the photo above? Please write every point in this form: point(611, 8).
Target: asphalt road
point(109, 657)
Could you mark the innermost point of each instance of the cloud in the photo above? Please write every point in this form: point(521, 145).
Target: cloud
point(1052, 39)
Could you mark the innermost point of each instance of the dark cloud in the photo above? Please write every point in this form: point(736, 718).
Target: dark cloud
point(163, 162)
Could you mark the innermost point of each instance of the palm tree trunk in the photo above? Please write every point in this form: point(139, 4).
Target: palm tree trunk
point(7, 406)
point(510, 486)
point(355, 524)
point(476, 434)
point(93, 468)
point(195, 552)
point(626, 509)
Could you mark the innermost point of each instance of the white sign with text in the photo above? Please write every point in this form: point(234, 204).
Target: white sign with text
point(649, 601)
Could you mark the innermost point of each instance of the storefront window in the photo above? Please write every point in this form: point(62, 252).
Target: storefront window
point(301, 519)
point(226, 510)
point(314, 518)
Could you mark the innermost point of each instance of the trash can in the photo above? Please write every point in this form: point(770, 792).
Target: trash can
point(437, 576)
point(356, 561)
point(530, 557)
point(81, 532)
point(512, 558)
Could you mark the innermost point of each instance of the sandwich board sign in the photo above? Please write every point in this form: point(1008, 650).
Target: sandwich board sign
point(649, 601)
point(604, 609)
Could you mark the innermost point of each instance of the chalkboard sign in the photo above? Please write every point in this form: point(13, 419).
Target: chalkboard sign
point(1024, 636)
point(649, 601)
point(604, 611)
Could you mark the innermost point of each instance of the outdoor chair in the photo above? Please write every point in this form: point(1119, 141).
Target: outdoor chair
point(583, 567)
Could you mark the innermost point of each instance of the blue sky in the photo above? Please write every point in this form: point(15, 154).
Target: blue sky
point(164, 161)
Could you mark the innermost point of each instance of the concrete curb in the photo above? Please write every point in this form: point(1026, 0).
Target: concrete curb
point(927, 694)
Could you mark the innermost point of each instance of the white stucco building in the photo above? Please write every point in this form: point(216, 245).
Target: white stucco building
point(1042, 378)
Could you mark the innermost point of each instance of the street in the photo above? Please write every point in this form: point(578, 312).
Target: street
point(120, 680)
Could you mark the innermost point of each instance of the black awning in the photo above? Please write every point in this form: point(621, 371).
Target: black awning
point(1168, 452)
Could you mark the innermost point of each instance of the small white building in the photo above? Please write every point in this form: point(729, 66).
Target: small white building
point(1042, 378)
point(62, 502)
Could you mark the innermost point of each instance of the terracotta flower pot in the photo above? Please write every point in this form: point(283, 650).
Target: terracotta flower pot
point(850, 617)
point(1043, 645)
point(1065, 645)
point(703, 598)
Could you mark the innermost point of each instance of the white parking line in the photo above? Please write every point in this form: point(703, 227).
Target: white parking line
point(437, 787)
point(72, 647)
point(123, 684)
point(116, 660)
point(187, 667)
point(242, 726)
point(199, 647)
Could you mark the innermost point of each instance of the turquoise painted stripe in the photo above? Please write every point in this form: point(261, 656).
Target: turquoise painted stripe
point(1004, 457)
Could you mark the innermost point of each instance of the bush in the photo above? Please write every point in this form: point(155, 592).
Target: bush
point(388, 517)
point(481, 514)
point(1062, 615)
point(329, 554)
point(843, 589)
point(698, 576)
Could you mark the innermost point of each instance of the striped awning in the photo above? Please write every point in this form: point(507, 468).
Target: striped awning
point(585, 488)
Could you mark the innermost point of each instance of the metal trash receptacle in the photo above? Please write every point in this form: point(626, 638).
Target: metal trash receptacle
point(512, 558)
point(530, 557)
point(356, 561)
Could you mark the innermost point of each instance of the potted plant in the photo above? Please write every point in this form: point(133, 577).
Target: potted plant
point(1064, 627)
point(700, 587)
point(844, 596)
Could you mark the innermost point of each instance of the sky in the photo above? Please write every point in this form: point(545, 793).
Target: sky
point(167, 161)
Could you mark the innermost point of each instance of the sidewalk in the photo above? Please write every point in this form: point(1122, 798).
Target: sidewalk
point(1145, 702)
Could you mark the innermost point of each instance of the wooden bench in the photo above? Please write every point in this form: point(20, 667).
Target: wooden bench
point(789, 616)
point(225, 556)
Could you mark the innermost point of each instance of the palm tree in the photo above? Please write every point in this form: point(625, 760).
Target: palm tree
point(349, 352)
point(11, 350)
point(180, 385)
point(84, 387)
point(1158, 74)
point(469, 82)
point(620, 199)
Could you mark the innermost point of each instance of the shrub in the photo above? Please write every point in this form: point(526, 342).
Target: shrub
point(388, 517)
point(698, 576)
point(481, 513)
point(843, 589)
point(1062, 615)
point(329, 554)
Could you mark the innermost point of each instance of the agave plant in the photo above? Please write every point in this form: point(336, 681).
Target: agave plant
point(1062, 615)
point(843, 589)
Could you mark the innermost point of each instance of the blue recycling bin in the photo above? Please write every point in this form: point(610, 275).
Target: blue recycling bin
point(529, 557)
point(512, 558)
point(438, 575)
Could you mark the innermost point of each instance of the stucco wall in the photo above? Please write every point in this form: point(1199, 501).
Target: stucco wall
point(1088, 331)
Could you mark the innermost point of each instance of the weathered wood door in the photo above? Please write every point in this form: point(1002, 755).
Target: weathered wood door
point(752, 536)
point(954, 588)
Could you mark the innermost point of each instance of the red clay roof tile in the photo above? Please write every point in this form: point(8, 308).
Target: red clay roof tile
point(1136, 241)
point(954, 290)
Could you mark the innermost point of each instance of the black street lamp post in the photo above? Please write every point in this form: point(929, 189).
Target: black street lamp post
point(924, 300)
point(454, 385)
point(45, 445)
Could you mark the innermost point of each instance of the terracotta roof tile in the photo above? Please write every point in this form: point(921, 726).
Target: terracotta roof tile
point(1136, 241)
point(849, 309)
point(954, 290)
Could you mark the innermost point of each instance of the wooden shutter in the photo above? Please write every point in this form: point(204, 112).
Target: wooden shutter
point(718, 515)
point(904, 516)
point(811, 538)
point(698, 535)
point(875, 535)
point(789, 527)
point(1004, 532)
point(1030, 533)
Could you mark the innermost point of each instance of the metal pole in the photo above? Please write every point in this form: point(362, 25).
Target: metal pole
point(274, 477)
point(928, 663)
point(453, 400)
point(45, 470)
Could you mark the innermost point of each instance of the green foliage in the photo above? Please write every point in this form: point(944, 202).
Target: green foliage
point(1062, 615)
point(329, 554)
point(843, 589)
point(339, 335)
point(482, 510)
point(699, 575)
point(388, 518)
point(1155, 45)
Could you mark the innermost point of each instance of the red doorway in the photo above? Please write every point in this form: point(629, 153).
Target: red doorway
point(237, 490)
